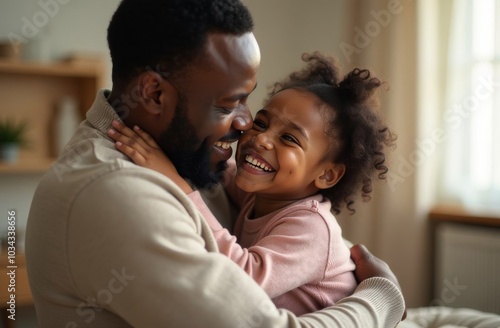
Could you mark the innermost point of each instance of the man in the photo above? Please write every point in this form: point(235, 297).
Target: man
point(111, 244)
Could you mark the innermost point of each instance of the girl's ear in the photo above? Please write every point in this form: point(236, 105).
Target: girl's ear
point(330, 175)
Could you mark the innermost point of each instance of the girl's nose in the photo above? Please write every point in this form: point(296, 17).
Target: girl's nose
point(263, 140)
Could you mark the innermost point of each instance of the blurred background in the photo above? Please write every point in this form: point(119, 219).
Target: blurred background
point(436, 219)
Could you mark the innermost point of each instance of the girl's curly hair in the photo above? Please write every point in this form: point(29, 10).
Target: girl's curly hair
point(352, 123)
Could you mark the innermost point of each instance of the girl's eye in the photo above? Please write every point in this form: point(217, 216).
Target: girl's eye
point(259, 125)
point(290, 138)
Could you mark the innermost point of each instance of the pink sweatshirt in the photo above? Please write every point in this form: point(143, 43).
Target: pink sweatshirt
point(296, 254)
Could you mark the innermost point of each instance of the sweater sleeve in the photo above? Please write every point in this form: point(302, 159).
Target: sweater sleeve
point(294, 252)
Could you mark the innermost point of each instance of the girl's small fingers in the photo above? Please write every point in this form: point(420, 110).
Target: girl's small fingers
point(146, 137)
point(117, 136)
point(134, 155)
point(130, 142)
point(126, 131)
point(122, 128)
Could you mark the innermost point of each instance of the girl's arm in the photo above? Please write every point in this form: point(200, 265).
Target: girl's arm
point(145, 152)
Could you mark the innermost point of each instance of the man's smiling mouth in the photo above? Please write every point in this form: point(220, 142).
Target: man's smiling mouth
point(223, 144)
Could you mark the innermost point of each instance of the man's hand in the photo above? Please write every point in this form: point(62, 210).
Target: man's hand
point(369, 266)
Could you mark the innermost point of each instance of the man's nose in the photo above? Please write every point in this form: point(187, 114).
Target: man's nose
point(243, 119)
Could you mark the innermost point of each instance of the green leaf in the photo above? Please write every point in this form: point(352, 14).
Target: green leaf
point(13, 132)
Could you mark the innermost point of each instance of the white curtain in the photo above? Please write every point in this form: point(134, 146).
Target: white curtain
point(471, 163)
point(393, 224)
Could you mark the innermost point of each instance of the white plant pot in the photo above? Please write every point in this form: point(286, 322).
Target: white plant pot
point(9, 153)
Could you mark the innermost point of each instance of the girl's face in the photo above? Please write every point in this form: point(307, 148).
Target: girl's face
point(283, 154)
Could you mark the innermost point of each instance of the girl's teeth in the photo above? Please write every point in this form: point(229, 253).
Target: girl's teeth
point(258, 165)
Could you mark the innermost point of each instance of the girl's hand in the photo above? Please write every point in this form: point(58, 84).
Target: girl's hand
point(144, 151)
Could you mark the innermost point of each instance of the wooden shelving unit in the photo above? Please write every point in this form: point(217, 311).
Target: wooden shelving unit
point(31, 91)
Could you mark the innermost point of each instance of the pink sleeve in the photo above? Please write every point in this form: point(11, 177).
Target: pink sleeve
point(294, 252)
point(195, 196)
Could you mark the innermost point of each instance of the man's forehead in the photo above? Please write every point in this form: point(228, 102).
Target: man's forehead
point(231, 97)
point(227, 52)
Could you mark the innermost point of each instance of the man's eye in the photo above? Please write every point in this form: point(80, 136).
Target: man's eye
point(222, 111)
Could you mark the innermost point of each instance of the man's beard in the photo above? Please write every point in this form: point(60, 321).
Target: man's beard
point(219, 171)
point(179, 143)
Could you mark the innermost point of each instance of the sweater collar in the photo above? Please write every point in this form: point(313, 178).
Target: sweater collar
point(101, 114)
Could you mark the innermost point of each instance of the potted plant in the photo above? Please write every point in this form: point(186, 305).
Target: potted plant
point(12, 138)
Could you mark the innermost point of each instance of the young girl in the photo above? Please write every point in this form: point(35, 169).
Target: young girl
point(312, 149)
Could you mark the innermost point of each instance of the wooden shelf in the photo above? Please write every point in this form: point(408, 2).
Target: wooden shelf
point(35, 165)
point(32, 92)
point(57, 69)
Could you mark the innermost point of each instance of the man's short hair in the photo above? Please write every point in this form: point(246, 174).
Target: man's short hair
point(167, 35)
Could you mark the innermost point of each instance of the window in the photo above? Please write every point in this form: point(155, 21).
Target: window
point(471, 163)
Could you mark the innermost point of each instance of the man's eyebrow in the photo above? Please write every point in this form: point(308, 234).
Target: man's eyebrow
point(239, 96)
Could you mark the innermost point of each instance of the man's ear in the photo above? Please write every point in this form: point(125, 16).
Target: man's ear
point(330, 174)
point(155, 92)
